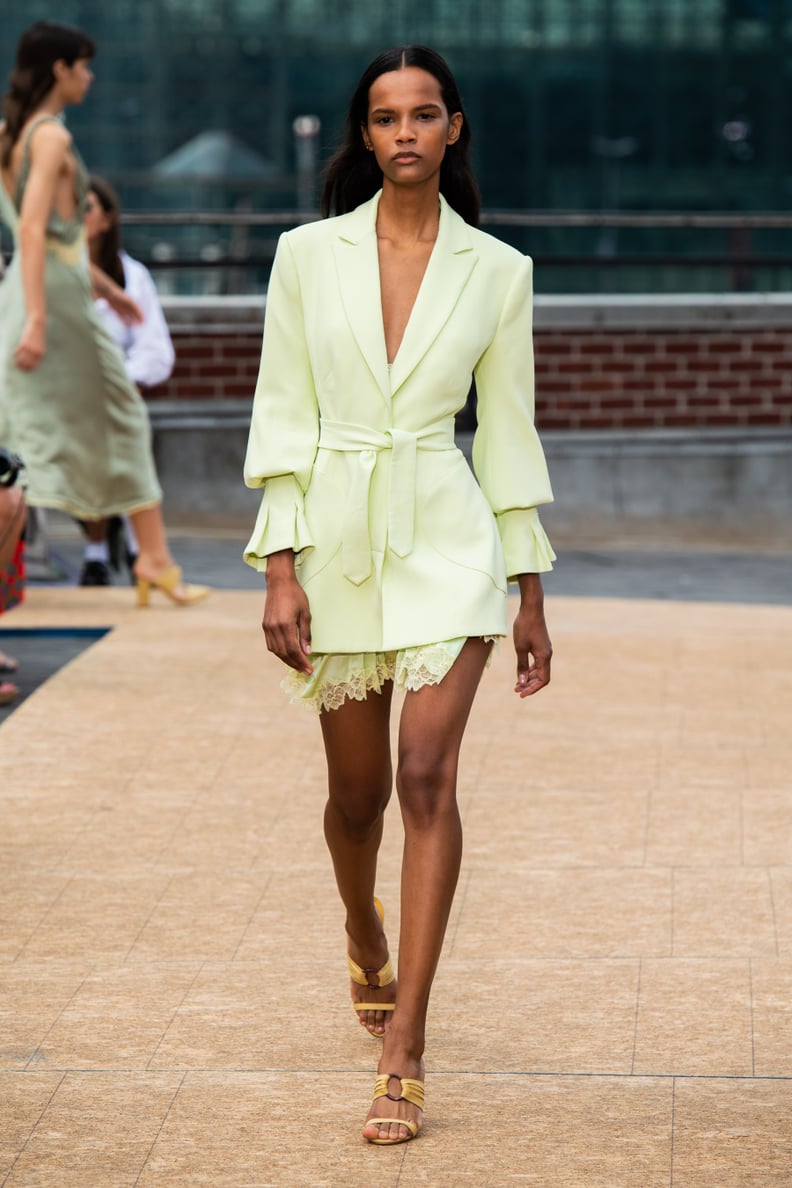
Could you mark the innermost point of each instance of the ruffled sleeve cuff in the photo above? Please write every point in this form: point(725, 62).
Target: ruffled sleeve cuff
point(525, 544)
point(280, 524)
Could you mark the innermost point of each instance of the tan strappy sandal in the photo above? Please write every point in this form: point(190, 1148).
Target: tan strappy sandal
point(412, 1091)
point(384, 978)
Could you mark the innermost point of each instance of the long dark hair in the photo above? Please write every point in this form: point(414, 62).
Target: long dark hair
point(108, 252)
point(352, 175)
point(32, 78)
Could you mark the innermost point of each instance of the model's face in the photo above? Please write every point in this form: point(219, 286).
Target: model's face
point(73, 81)
point(409, 127)
point(95, 219)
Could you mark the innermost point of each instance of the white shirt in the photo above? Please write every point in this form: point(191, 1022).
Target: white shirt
point(147, 348)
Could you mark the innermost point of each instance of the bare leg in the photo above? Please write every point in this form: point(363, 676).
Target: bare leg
point(154, 556)
point(357, 745)
point(432, 724)
point(96, 531)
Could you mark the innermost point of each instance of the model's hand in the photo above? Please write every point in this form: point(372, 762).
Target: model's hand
point(32, 346)
point(128, 310)
point(287, 622)
point(533, 647)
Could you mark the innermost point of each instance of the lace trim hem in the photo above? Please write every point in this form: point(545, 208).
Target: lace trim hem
point(340, 677)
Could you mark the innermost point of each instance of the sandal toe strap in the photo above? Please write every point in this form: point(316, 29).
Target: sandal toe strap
point(411, 1126)
point(374, 1006)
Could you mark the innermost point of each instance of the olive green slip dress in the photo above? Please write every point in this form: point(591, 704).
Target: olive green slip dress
point(79, 424)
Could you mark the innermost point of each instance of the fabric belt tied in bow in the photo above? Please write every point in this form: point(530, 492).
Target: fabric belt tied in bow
point(368, 444)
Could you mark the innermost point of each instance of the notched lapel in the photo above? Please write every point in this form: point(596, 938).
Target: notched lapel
point(357, 268)
point(448, 271)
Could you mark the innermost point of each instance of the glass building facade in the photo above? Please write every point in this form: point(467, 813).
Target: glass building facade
point(574, 104)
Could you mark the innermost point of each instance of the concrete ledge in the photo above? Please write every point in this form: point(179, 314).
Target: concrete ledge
point(640, 311)
point(688, 312)
point(721, 481)
point(221, 315)
point(729, 479)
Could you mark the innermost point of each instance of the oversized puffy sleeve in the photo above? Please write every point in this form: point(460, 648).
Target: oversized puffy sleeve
point(284, 429)
point(507, 455)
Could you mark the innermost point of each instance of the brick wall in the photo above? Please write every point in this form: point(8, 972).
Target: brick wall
point(589, 379)
point(212, 365)
point(588, 375)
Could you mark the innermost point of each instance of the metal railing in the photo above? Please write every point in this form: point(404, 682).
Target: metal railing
point(714, 220)
point(738, 254)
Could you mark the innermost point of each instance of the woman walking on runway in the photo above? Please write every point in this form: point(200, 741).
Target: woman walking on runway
point(66, 405)
point(386, 563)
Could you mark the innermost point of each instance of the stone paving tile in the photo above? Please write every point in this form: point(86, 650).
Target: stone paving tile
point(33, 996)
point(767, 826)
point(694, 824)
point(23, 1099)
point(97, 1129)
point(98, 917)
point(771, 992)
point(615, 985)
point(551, 1016)
point(537, 1131)
point(781, 889)
point(733, 1133)
point(724, 913)
point(567, 826)
point(117, 1016)
point(694, 1018)
point(567, 913)
point(27, 894)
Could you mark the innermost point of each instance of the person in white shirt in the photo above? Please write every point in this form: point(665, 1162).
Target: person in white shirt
point(146, 346)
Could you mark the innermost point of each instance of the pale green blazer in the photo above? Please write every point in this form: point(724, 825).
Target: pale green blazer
point(396, 543)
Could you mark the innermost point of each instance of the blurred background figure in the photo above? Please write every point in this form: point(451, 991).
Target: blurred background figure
point(67, 403)
point(148, 357)
point(13, 513)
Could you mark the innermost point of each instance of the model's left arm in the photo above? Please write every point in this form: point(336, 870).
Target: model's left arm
point(511, 468)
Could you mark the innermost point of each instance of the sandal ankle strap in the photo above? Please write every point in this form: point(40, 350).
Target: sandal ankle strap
point(411, 1090)
point(384, 976)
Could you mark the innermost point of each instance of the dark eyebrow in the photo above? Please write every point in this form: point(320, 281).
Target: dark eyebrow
point(420, 107)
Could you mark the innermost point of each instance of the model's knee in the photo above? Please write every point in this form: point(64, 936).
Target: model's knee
point(427, 787)
point(357, 813)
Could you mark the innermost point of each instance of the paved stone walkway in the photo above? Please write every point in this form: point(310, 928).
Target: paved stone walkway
point(614, 1006)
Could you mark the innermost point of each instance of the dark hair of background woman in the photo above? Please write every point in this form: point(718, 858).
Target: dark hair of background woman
point(32, 79)
point(352, 175)
point(108, 252)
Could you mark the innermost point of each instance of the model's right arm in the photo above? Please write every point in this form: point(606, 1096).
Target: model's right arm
point(48, 146)
point(284, 429)
point(284, 434)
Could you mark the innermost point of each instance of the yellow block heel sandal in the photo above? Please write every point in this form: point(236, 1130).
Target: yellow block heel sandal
point(412, 1091)
point(168, 582)
point(384, 978)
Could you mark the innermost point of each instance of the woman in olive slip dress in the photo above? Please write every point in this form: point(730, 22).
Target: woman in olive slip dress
point(66, 405)
point(386, 563)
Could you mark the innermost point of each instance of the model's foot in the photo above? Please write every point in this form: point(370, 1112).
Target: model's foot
point(397, 1060)
point(372, 956)
point(158, 570)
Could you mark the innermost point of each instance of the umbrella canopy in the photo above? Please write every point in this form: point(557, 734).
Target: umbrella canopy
point(212, 155)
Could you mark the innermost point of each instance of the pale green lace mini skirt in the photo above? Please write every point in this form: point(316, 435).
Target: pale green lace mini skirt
point(337, 677)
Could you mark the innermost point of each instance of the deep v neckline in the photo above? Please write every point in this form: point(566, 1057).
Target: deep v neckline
point(416, 300)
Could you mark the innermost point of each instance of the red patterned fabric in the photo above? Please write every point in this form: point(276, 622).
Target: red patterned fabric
point(12, 580)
